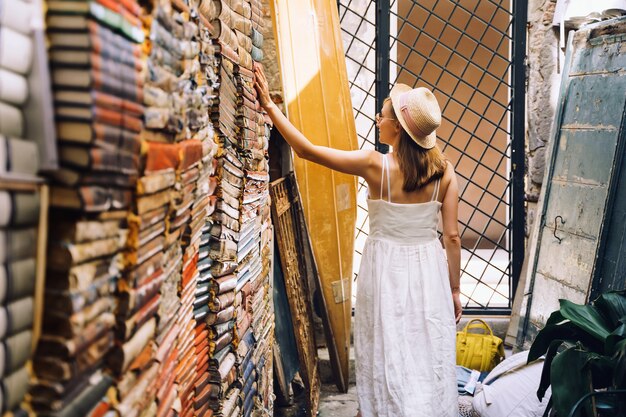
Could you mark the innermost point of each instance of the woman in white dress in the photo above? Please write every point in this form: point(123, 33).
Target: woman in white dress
point(408, 298)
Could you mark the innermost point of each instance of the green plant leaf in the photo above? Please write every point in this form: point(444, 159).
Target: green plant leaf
point(570, 379)
point(566, 332)
point(613, 306)
point(614, 338)
point(619, 372)
point(601, 368)
point(587, 318)
point(555, 318)
point(544, 383)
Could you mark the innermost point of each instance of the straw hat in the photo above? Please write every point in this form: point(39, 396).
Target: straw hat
point(418, 112)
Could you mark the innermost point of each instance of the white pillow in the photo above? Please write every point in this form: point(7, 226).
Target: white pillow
point(510, 389)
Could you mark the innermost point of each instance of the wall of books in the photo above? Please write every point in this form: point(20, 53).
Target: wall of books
point(157, 289)
point(21, 195)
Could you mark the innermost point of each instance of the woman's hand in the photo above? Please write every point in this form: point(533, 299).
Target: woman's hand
point(458, 309)
point(262, 88)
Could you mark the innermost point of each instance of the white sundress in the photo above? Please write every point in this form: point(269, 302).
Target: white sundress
point(404, 318)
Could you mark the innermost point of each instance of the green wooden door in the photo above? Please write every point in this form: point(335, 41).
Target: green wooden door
point(583, 158)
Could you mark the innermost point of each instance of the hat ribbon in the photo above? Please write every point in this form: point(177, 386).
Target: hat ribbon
point(404, 109)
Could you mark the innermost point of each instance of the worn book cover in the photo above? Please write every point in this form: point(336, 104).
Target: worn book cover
point(18, 156)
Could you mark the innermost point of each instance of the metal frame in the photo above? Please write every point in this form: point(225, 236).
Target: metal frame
point(512, 238)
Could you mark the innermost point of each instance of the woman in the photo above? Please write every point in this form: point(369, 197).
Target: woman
point(408, 298)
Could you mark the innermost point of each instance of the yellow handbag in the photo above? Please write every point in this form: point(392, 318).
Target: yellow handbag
point(480, 351)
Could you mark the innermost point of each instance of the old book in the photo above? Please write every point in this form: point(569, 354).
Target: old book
point(16, 317)
point(151, 202)
point(13, 87)
point(18, 208)
point(124, 54)
point(100, 115)
point(15, 387)
point(64, 253)
point(95, 38)
point(98, 80)
point(65, 370)
point(109, 12)
point(100, 67)
point(11, 121)
point(126, 354)
point(17, 279)
point(16, 244)
point(100, 134)
point(78, 231)
point(76, 178)
point(18, 156)
point(99, 159)
point(70, 326)
point(90, 198)
point(156, 182)
point(14, 352)
point(65, 348)
point(16, 51)
point(70, 302)
point(16, 14)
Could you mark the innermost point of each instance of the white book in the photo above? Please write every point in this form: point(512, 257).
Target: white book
point(13, 87)
point(11, 121)
point(18, 156)
point(17, 15)
point(16, 51)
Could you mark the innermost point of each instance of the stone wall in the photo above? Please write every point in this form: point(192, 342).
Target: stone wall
point(544, 56)
point(270, 60)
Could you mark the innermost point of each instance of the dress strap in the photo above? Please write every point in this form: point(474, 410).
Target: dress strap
point(435, 196)
point(385, 172)
point(382, 176)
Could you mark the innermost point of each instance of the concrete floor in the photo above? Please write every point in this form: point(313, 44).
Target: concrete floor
point(332, 402)
point(335, 404)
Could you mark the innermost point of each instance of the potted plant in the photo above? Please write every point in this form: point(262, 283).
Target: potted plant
point(585, 352)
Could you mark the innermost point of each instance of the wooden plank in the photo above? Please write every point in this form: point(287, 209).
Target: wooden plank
point(285, 205)
point(570, 261)
point(317, 98)
point(552, 291)
point(584, 156)
point(609, 57)
point(592, 102)
point(586, 135)
point(580, 205)
point(40, 274)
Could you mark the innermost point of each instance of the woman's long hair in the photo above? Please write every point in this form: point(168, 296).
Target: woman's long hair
point(418, 165)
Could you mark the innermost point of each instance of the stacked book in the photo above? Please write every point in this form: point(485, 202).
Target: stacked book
point(19, 210)
point(96, 73)
point(19, 218)
point(154, 193)
point(223, 254)
point(95, 64)
point(84, 259)
point(185, 223)
point(145, 338)
point(19, 157)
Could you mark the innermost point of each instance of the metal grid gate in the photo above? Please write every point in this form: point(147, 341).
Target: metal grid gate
point(470, 53)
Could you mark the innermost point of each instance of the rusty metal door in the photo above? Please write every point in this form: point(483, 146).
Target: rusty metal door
point(470, 53)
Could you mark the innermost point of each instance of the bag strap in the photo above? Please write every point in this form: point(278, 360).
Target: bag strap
point(480, 324)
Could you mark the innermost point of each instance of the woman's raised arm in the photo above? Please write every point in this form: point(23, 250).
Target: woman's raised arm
point(359, 162)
